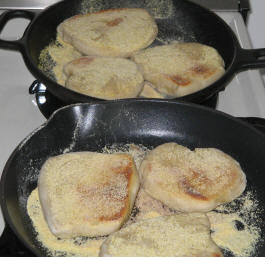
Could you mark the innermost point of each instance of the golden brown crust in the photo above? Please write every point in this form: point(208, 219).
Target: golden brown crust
point(126, 171)
point(191, 181)
point(87, 193)
point(114, 22)
point(113, 32)
point(190, 190)
point(179, 69)
point(179, 80)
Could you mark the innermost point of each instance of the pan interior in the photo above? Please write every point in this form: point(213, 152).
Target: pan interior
point(177, 20)
point(149, 123)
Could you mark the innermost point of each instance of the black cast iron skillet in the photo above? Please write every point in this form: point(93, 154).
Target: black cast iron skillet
point(147, 122)
point(179, 20)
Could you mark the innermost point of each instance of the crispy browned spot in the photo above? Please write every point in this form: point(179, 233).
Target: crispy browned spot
point(87, 192)
point(188, 188)
point(180, 81)
point(114, 22)
point(127, 172)
point(199, 178)
point(115, 216)
point(202, 70)
point(83, 60)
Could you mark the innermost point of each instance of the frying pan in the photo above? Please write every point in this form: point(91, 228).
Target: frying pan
point(176, 20)
point(90, 127)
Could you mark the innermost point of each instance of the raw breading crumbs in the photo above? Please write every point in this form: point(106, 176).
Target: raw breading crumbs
point(232, 224)
point(235, 225)
point(138, 152)
point(78, 247)
point(53, 58)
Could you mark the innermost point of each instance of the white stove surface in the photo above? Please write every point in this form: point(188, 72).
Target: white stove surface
point(245, 95)
point(19, 115)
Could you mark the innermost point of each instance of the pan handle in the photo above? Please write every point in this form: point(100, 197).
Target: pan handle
point(4, 18)
point(250, 59)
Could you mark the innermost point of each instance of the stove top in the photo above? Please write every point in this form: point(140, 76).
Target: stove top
point(26, 4)
point(20, 114)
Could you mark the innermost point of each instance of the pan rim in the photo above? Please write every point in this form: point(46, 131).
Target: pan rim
point(156, 100)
